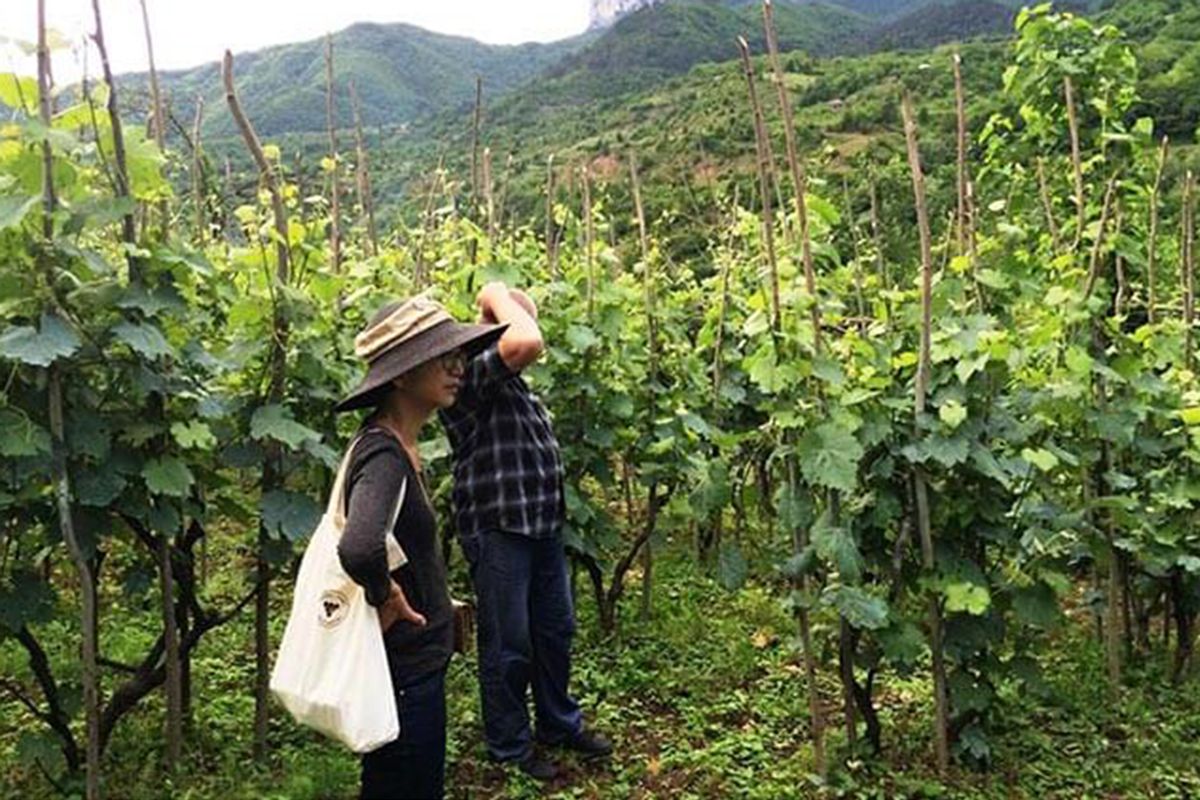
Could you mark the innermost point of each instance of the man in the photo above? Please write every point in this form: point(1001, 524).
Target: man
point(509, 510)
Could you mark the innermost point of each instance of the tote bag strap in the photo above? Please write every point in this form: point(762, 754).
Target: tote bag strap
point(337, 504)
point(337, 495)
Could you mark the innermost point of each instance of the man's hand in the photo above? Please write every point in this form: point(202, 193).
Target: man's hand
point(488, 297)
point(397, 607)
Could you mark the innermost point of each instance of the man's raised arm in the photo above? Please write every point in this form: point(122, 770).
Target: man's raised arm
point(522, 343)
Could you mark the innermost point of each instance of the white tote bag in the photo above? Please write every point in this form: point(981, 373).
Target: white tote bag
point(331, 671)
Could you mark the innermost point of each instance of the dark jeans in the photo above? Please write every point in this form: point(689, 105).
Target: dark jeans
point(414, 766)
point(525, 622)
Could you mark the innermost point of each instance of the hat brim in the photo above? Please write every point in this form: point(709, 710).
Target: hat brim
point(412, 353)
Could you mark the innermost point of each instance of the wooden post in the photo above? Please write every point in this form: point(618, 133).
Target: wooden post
point(799, 178)
point(960, 106)
point(61, 476)
point(551, 228)
point(766, 161)
point(128, 230)
point(1076, 159)
point(159, 122)
point(365, 199)
point(1189, 271)
point(489, 197)
point(800, 189)
point(199, 193)
point(1152, 244)
point(589, 239)
point(1048, 206)
point(1098, 245)
point(942, 718)
point(272, 477)
point(649, 300)
point(475, 192)
point(335, 184)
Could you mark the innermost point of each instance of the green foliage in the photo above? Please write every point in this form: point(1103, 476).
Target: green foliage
point(1060, 435)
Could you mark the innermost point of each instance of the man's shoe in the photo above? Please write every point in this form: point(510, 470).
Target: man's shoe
point(538, 768)
point(589, 744)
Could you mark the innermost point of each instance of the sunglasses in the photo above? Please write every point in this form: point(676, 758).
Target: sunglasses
point(454, 361)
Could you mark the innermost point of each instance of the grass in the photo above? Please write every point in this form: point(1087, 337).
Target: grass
point(705, 700)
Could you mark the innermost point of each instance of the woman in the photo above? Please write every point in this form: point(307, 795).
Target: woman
point(416, 354)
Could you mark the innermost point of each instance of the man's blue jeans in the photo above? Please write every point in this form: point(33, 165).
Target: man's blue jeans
point(525, 622)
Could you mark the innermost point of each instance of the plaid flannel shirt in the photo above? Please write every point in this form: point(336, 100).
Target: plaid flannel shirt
point(508, 473)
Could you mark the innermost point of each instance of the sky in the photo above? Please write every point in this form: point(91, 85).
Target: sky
point(192, 32)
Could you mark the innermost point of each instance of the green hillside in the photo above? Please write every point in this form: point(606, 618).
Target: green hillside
point(401, 73)
point(937, 22)
point(654, 43)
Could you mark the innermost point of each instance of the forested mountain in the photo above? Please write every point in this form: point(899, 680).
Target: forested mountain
point(401, 73)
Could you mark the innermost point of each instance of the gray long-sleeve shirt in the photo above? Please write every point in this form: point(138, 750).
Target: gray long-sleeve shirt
point(378, 468)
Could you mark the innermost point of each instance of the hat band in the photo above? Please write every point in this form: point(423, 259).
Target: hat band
point(403, 323)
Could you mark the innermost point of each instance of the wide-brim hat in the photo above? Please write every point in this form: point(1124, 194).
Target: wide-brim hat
point(402, 337)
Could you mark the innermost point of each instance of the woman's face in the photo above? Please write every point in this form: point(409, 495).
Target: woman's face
point(436, 383)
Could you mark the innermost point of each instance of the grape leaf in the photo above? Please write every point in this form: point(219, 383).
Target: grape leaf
point(168, 476)
point(194, 434)
point(276, 422)
point(836, 547)
point(26, 600)
point(860, 609)
point(39, 347)
point(953, 413)
point(731, 567)
point(14, 209)
point(20, 436)
point(289, 514)
point(98, 487)
point(967, 597)
point(1040, 458)
point(829, 456)
point(1036, 605)
point(143, 338)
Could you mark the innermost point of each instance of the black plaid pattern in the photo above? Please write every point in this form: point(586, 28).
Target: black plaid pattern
point(507, 470)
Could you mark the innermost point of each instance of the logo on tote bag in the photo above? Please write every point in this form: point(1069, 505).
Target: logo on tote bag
point(333, 608)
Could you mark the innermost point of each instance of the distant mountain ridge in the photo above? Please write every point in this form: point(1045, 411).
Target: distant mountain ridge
point(403, 73)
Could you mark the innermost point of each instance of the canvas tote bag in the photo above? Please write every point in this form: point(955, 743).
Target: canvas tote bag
point(331, 671)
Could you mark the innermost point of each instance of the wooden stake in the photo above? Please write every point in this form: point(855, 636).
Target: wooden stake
point(272, 477)
point(799, 179)
point(335, 186)
point(62, 481)
point(941, 705)
point(766, 162)
point(199, 192)
point(159, 126)
point(1076, 160)
point(551, 228)
point(489, 198)
point(648, 289)
point(1098, 245)
point(800, 188)
point(1189, 270)
point(128, 230)
point(960, 106)
point(589, 237)
point(1048, 206)
point(1152, 245)
point(475, 193)
point(365, 199)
